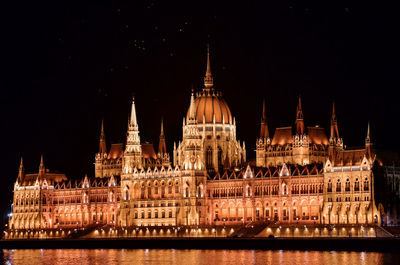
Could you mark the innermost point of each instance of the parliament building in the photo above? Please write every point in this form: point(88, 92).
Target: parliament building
point(301, 177)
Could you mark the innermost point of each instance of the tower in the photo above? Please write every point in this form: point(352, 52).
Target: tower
point(299, 119)
point(263, 141)
point(210, 115)
point(133, 148)
point(335, 142)
point(21, 172)
point(101, 154)
point(368, 143)
point(162, 155)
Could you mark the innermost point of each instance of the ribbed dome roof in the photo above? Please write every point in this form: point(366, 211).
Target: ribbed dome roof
point(209, 104)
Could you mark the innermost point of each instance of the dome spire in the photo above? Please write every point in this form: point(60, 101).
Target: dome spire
point(208, 79)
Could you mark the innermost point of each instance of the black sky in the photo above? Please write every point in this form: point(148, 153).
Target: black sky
point(66, 65)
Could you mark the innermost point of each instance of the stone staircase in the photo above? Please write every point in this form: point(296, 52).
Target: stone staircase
point(83, 232)
point(250, 230)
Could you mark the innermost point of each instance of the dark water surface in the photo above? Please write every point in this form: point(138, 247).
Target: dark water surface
point(174, 256)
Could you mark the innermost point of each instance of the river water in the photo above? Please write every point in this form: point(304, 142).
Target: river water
point(196, 257)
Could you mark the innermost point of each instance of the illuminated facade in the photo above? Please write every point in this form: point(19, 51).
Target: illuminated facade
point(300, 176)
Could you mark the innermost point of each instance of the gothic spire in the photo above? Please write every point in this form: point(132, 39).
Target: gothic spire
point(102, 144)
point(299, 119)
point(133, 121)
point(41, 166)
point(162, 149)
point(21, 171)
point(368, 138)
point(264, 134)
point(334, 126)
point(208, 79)
point(192, 111)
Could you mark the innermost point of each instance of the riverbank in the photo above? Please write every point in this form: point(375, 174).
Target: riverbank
point(330, 244)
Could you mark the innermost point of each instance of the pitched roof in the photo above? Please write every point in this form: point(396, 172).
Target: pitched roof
point(282, 136)
point(116, 151)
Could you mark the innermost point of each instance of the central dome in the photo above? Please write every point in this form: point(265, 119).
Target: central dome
point(208, 105)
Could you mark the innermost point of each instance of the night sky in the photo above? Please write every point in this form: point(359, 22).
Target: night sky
point(68, 64)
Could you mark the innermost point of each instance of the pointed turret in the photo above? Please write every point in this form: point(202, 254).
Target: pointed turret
point(133, 120)
point(21, 172)
point(368, 143)
point(102, 143)
point(192, 111)
point(299, 119)
point(264, 134)
point(334, 125)
point(208, 79)
point(133, 148)
point(368, 138)
point(162, 149)
point(41, 166)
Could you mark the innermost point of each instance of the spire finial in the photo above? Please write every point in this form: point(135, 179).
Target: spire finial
point(192, 115)
point(333, 112)
point(368, 138)
point(299, 119)
point(102, 143)
point(162, 127)
point(334, 126)
point(208, 79)
point(41, 167)
point(21, 171)
point(162, 148)
point(264, 113)
point(264, 134)
point(133, 121)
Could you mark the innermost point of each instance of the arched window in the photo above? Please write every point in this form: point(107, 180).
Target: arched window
point(357, 185)
point(329, 188)
point(347, 187)
point(338, 186)
point(187, 192)
point(209, 157)
point(219, 156)
point(366, 184)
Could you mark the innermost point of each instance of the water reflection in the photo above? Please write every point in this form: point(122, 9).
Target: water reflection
point(197, 257)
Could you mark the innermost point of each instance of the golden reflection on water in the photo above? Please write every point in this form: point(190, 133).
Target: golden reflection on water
point(196, 257)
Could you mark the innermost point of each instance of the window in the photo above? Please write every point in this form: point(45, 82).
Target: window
point(162, 214)
point(357, 185)
point(148, 192)
point(347, 187)
point(170, 189)
point(156, 214)
point(209, 157)
point(338, 186)
point(142, 215)
point(149, 214)
point(177, 188)
point(170, 214)
point(219, 156)
point(366, 184)
point(156, 190)
point(142, 193)
point(329, 188)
